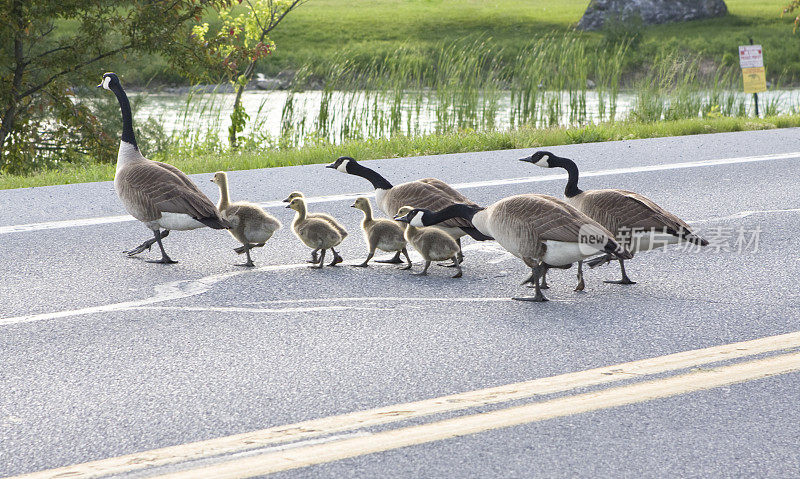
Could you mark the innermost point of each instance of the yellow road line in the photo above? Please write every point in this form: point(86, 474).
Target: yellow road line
point(400, 412)
point(383, 441)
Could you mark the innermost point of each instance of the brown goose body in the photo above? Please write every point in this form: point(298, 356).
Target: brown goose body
point(636, 221)
point(159, 195)
point(428, 193)
point(541, 230)
point(633, 217)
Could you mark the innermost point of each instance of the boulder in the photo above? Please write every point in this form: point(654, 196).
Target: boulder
point(649, 11)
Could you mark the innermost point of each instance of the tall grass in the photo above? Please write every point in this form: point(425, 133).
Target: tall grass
point(552, 81)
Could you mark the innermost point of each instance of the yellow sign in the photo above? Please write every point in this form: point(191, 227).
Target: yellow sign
point(755, 80)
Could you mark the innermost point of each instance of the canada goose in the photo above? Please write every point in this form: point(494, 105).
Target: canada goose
point(380, 233)
point(157, 194)
point(541, 230)
point(636, 221)
point(432, 243)
point(250, 224)
point(315, 233)
point(429, 193)
point(323, 216)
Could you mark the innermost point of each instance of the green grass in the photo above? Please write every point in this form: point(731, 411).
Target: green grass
point(462, 141)
point(369, 29)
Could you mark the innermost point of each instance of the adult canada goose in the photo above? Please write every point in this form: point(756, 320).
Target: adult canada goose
point(429, 193)
point(323, 216)
point(157, 194)
point(250, 224)
point(314, 232)
point(541, 230)
point(432, 244)
point(380, 233)
point(636, 221)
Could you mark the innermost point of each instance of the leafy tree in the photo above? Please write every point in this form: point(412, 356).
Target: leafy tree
point(240, 43)
point(50, 48)
point(791, 7)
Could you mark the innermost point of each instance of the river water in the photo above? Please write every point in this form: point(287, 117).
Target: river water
point(337, 116)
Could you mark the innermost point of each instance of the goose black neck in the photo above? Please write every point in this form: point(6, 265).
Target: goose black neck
point(127, 118)
point(572, 170)
point(378, 182)
point(452, 211)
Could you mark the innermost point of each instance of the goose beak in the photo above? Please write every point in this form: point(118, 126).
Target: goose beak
point(527, 158)
point(332, 165)
point(402, 219)
point(100, 86)
point(288, 206)
point(353, 205)
point(286, 200)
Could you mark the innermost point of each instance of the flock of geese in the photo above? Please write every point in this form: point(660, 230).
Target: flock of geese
point(544, 232)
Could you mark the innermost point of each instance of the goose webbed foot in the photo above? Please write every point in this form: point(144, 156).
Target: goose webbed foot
point(543, 283)
point(538, 298)
point(313, 259)
point(537, 272)
point(164, 260)
point(581, 284)
point(321, 261)
point(408, 258)
point(394, 260)
point(424, 271)
point(625, 279)
point(456, 265)
point(336, 258)
point(361, 265)
point(240, 249)
point(147, 244)
point(248, 264)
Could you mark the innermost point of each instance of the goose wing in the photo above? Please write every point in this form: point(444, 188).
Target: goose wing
point(617, 209)
point(157, 189)
point(420, 194)
point(448, 190)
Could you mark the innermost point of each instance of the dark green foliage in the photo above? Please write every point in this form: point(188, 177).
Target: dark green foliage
point(51, 49)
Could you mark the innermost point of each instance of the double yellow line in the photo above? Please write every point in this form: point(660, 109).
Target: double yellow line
point(259, 463)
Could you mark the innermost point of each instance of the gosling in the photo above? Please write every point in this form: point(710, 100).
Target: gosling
point(432, 243)
point(323, 216)
point(250, 224)
point(381, 233)
point(315, 233)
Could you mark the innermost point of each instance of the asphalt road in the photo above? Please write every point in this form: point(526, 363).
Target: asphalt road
point(103, 355)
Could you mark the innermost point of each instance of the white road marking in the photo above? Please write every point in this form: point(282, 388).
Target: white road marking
point(475, 184)
point(163, 292)
point(357, 420)
point(744, 214)
point(239, 309)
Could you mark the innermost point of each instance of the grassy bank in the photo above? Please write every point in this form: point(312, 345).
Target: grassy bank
point(370, 29)
point(400, 146)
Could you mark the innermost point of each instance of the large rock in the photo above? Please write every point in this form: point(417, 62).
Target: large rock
point(650, 11)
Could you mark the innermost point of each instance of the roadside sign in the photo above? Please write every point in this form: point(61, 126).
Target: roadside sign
point(755, 80)
point(751, 59)
point(751, 56)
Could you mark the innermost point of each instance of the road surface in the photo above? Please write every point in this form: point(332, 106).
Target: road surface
point(106, 356)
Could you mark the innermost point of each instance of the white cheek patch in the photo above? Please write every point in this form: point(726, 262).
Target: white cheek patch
point(343, 167)
point(106, 81)
point(543, 161)
point(417, 221)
